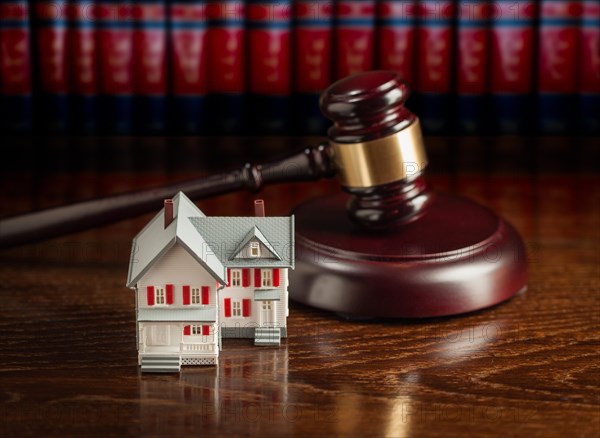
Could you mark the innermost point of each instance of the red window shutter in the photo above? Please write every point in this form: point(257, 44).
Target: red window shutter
point(275, 277)
point(227, 307)
point(169, 293)
point(205, 330)
point(257, 278)
point(187, 330)
point(186, 295)
point(150, 295)
point(245, 277)
point(205, 291)
point(228, 277)
point(246, 307)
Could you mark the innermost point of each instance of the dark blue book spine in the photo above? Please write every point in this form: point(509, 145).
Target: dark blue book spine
point(312, 37)
point(15, 68)
point(472, 66)
point(558, 37)
point(269, 59)
point(226, 51)
point(511, 66)
point(435, 37)
point(83, 67)
point(115, 39)
point(589, 69)
point(52, 69)
point(187, 42)
point(150, 65)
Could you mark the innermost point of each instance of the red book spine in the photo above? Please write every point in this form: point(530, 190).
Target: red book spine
point(471, 64)
point(189, 80)
point(557, 64)
point(434, 64)
point(355, 34)
point(312, 54)
point(396, 32)
point(589, 68)
point(83, 65)
point(115, 37)
point(149, 65)
point(312, 45)
point(51, 42)
point(269, 26)
point(511, 65)
point(227, 67)
point(15, 67)
point(226, 47)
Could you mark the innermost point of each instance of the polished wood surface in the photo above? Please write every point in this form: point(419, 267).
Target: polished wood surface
point(528, 367)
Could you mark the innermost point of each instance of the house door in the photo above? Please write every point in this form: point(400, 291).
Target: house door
point(267, 313)
point(160, 335)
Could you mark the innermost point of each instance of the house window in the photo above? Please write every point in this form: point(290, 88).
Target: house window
point(254, 249)
point(160, 297)
point(267, 280)
point(236, 308)
point(267, 305)
point(196, 330)
point(236, 277)
point(196, 295)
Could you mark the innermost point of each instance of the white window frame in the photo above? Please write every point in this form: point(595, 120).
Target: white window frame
point(196, 330)
point(236, 308)
point(160, 296)
point(267, 305)
point(196, 296)
point(267, 278)
point(254, 249)
point(236, 277)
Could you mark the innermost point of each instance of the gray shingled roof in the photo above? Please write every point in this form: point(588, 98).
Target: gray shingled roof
point(224, 235)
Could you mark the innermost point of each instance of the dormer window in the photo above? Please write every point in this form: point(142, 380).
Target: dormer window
point(254, 249)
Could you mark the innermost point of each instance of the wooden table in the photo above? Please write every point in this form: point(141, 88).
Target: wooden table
point(529, 367)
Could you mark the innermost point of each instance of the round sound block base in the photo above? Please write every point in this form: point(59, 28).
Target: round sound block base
point(457, 257)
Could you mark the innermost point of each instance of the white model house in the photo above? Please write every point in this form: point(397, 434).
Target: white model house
point(198, 279)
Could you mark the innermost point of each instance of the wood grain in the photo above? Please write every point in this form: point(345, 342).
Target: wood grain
point(529, 367)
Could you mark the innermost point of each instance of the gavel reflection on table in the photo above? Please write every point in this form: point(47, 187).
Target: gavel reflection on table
point(388, 247)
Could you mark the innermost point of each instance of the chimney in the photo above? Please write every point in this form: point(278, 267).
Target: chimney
point(168, 212)
point(259, 208)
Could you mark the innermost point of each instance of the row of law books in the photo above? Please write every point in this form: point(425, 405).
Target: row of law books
point(185, 67)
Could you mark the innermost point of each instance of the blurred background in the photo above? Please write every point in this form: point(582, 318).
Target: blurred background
point(240, 67)
point(105, 96)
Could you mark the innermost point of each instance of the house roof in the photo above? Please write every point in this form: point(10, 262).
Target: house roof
point(227, 236)
point(155, 240)
point(254, 233)
point(212, 241)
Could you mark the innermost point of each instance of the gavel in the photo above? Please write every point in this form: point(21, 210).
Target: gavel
point(387, 247)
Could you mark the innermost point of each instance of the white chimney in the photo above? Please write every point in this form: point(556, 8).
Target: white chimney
point(168, 212)
point(259, 208)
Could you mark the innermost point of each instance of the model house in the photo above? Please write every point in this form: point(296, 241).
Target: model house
point(199, 279)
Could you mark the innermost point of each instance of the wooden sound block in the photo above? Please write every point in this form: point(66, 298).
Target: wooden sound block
point(457, 257)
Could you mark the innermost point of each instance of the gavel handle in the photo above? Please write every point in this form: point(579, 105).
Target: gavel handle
point(310, 164)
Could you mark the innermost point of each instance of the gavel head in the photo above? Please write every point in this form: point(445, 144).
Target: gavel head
point(378, 148)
